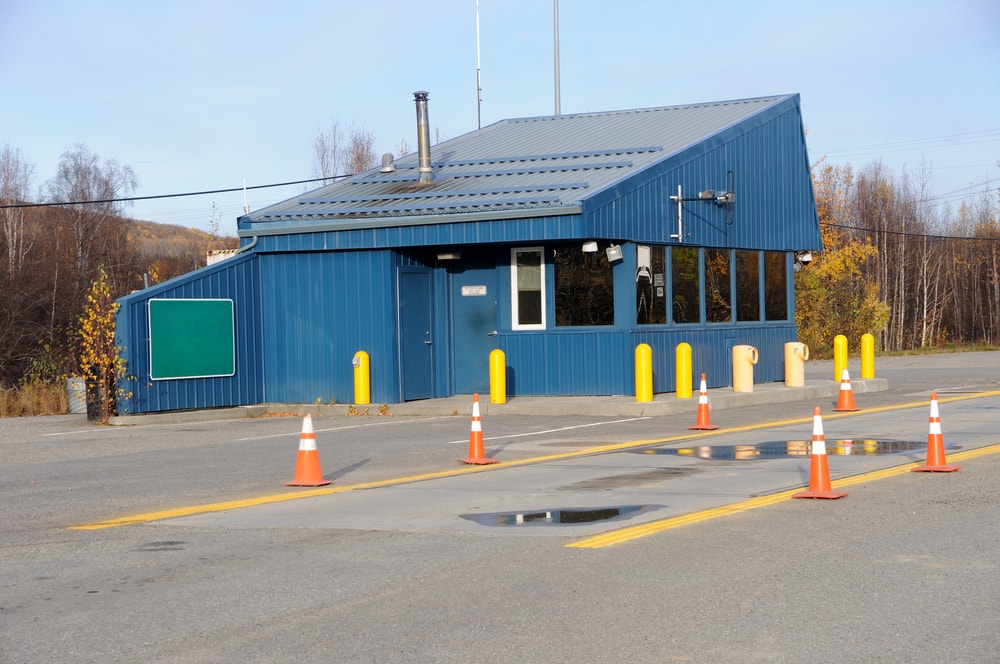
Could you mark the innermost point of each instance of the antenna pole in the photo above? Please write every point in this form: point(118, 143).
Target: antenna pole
point(246, 206)
point(479, 82)
point(555, 23)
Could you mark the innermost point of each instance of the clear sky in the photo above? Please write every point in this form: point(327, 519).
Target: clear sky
point(195, 95)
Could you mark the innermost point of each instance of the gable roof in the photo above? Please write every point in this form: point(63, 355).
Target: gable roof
point(521, 167)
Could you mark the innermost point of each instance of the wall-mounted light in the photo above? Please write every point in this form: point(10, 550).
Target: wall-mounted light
point(614, 253)
point(450, 256)
point(802, 258)
point(590, 247)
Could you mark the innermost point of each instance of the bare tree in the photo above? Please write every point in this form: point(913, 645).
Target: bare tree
point(360, 155)
point(82, 177)
point(328, 149)
point(337, 152)
point(15, 182)
point(403, 148)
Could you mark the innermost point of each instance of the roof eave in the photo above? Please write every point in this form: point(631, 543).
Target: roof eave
point(262, 229)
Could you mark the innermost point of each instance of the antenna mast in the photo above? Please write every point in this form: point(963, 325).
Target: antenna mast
point(555, 24)
point(479, 82)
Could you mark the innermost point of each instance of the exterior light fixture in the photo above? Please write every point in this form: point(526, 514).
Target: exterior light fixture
point(802, 258)
point(590, 247)
point(614, 253)
point(451, 256)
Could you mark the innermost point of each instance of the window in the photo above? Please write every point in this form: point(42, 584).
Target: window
point(686, 302)
point(527, 289)
point(651, 285)
point(585, 287)
point(775, 286)
point(718, 290)
point(747, 285)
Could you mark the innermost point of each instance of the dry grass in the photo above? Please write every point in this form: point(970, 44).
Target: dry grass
point(35, 398)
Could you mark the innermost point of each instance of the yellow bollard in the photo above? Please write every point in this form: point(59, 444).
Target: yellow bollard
point(839, 357)
point(498, 376)
point(744, 357)
point(643, 373)
point(362, 378)
point(796, 354)
point(682, 371)
point(867, 356)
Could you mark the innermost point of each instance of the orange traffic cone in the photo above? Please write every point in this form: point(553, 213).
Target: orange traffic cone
point(477, 455)
point(935, 444)
point(307, 471)
point(703, 423)
point(819, 470)
point(845, 402)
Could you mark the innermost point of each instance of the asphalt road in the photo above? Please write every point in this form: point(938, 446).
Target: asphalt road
point(904, 569)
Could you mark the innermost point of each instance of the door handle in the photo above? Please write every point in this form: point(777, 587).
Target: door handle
point(491, 334)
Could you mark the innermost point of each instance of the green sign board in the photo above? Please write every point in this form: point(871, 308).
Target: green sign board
point(191, 339)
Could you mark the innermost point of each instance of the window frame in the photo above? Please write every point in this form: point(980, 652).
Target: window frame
point(514, 290)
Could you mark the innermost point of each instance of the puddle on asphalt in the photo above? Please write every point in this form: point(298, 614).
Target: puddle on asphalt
point(794, 448)
point(559, 517)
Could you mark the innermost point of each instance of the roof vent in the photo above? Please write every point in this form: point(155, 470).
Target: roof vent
point(423, 139)
point(387, 165)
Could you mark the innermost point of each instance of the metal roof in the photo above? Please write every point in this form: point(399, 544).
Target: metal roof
point(550, 163)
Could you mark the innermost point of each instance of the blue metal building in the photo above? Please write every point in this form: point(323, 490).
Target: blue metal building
point(565, 241)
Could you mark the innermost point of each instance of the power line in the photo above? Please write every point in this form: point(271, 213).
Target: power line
point(906, 234)
point(159, 196)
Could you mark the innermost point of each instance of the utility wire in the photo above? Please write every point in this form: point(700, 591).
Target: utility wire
point(905, 234)
point(189, 193)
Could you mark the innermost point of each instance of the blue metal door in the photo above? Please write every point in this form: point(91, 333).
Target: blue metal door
point(474, 323)
point(415, 342)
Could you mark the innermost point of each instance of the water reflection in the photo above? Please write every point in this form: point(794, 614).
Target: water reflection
point(558, 516)
point(794, 448)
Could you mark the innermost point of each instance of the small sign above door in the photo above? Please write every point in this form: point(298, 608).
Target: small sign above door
point(473, 291)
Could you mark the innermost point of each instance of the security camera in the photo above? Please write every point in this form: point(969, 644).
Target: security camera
point(806, 257)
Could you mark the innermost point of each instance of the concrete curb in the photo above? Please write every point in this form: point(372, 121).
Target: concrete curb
point(599, 406)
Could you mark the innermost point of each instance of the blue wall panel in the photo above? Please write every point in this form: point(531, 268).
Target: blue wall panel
point(520, 230)
point(711, 352)
point(235, 279)
point(319, 309)
point(568, 362)
point(774, 206)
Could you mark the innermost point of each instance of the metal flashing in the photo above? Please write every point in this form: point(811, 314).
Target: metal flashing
point(264, 229)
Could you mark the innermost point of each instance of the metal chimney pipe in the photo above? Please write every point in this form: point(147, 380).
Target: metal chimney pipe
point(423, 139)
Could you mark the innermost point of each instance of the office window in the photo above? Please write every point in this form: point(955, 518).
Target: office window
point(584, 287)
point(651, 285)
point(775, 286)
point(718, 289)
point(527, 285)
point(685, 304)
point(747, 285)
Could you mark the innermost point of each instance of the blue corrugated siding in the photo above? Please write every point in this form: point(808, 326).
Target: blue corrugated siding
point(603, 362)
point(774, 208)
point(319, 309)
point(235, 279)
point(711, 352)
point(528, 229)
point(568, 363)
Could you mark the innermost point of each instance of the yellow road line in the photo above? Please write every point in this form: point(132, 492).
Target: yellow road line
point(642, 530)
point(601, 449)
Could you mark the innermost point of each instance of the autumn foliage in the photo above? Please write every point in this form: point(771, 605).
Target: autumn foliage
point(899, 264)
point(62, 266)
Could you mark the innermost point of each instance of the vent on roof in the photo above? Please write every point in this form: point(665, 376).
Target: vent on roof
point(387, 165)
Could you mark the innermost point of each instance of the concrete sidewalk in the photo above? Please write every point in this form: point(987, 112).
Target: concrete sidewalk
point(599, 406)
